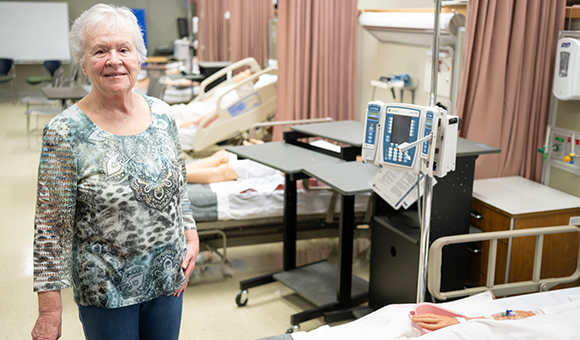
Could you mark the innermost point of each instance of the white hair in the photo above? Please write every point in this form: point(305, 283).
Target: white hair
point(102, 16)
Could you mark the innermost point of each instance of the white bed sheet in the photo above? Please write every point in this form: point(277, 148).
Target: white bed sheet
point(539, 300)
point(392, 322)
point(258, 197)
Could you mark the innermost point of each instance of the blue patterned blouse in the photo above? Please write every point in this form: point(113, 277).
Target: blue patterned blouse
point(111, 210)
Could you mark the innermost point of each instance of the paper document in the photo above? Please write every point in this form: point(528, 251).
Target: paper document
point(397, 187)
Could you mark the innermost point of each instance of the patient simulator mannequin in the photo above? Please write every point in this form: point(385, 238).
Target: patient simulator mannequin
point(224, 166)
point(434, 322)
point(429, 322)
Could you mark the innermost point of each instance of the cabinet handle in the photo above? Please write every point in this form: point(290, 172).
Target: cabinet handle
point(476, 214)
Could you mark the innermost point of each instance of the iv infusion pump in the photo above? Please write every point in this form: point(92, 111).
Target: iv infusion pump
point(419, 139)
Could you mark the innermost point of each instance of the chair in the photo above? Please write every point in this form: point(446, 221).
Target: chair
point(49, 70)
point(42, 105)
point(6, 76)
point(156, 89)
point(73, 80)
point(40, 99)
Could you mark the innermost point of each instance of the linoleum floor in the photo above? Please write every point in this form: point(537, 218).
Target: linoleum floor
point(210, 311)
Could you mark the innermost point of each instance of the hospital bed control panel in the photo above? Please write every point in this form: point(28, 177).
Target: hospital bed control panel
point(410, 137)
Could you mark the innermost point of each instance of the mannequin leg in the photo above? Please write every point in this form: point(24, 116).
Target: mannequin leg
point(222, 172)
point(220, 157)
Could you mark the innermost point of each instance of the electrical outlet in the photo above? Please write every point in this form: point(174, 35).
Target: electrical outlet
point(575, 220)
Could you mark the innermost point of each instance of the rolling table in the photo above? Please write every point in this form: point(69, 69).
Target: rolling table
point(316, 282)
point(351, 290)
point(348, 132)
point(291, 160)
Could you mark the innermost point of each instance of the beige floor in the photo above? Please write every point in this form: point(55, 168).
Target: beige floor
point(210, 311)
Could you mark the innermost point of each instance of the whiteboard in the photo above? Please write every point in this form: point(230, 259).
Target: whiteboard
point(31, 32)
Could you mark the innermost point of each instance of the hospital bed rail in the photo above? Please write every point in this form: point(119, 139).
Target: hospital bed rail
point(227, 121)
point(227, 71)
point(254, 105)
point(534, 285)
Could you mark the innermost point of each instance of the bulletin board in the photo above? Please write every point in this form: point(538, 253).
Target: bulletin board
point(31, 32)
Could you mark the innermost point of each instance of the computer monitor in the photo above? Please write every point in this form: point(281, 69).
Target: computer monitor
point(182, 28)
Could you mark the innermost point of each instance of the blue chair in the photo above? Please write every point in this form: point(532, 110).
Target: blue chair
point(7, 72)
point(49, 70)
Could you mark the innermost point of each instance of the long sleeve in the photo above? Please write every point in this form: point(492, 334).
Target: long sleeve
point(55, 211)
point(187, 212)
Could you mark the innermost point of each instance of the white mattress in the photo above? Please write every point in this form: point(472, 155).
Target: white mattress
point(258, 197)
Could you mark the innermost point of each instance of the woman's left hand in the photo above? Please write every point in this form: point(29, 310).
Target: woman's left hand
point(188, 263)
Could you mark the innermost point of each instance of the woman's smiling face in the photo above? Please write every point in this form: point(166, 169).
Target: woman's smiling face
point(111, 61)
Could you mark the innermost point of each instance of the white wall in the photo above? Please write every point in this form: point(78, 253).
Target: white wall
point(376, 59)
point(387, 4)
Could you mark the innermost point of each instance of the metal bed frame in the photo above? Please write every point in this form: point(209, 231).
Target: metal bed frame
point(534, 285)
point(217, 236)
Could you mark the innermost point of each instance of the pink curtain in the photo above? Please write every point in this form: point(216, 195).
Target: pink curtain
point(316, 59)
point(250, 21)
point(506, 81)
point(213, 35)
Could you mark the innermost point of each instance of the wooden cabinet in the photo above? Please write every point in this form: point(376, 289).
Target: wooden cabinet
point(517, 203)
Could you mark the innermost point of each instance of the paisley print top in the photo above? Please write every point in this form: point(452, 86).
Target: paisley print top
point(111, 210)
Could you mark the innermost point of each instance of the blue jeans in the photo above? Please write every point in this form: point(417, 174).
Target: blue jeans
point(156, 319)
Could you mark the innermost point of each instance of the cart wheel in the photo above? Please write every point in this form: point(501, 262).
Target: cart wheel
point(293, 329)
point(242, 298)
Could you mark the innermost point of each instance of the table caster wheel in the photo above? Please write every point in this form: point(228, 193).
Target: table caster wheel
point(242, 298)
point(293, 329)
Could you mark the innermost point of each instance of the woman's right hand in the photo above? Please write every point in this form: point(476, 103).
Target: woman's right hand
point(48, 326)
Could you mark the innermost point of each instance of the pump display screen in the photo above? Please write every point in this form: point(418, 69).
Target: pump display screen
point(401, 129)
point(374, 112)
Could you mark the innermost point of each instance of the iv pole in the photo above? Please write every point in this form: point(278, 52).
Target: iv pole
point(428, 193)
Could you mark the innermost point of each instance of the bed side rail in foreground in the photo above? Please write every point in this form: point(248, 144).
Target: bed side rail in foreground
point(535, 285)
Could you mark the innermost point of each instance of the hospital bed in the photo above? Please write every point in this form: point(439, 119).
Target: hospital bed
point(230, 108)
point(557, 312)
point(250, 211)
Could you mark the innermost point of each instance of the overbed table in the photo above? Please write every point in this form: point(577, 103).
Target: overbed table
point(329, 287)
point(348, 132)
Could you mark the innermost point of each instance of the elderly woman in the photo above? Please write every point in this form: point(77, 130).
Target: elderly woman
point(112, 216)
